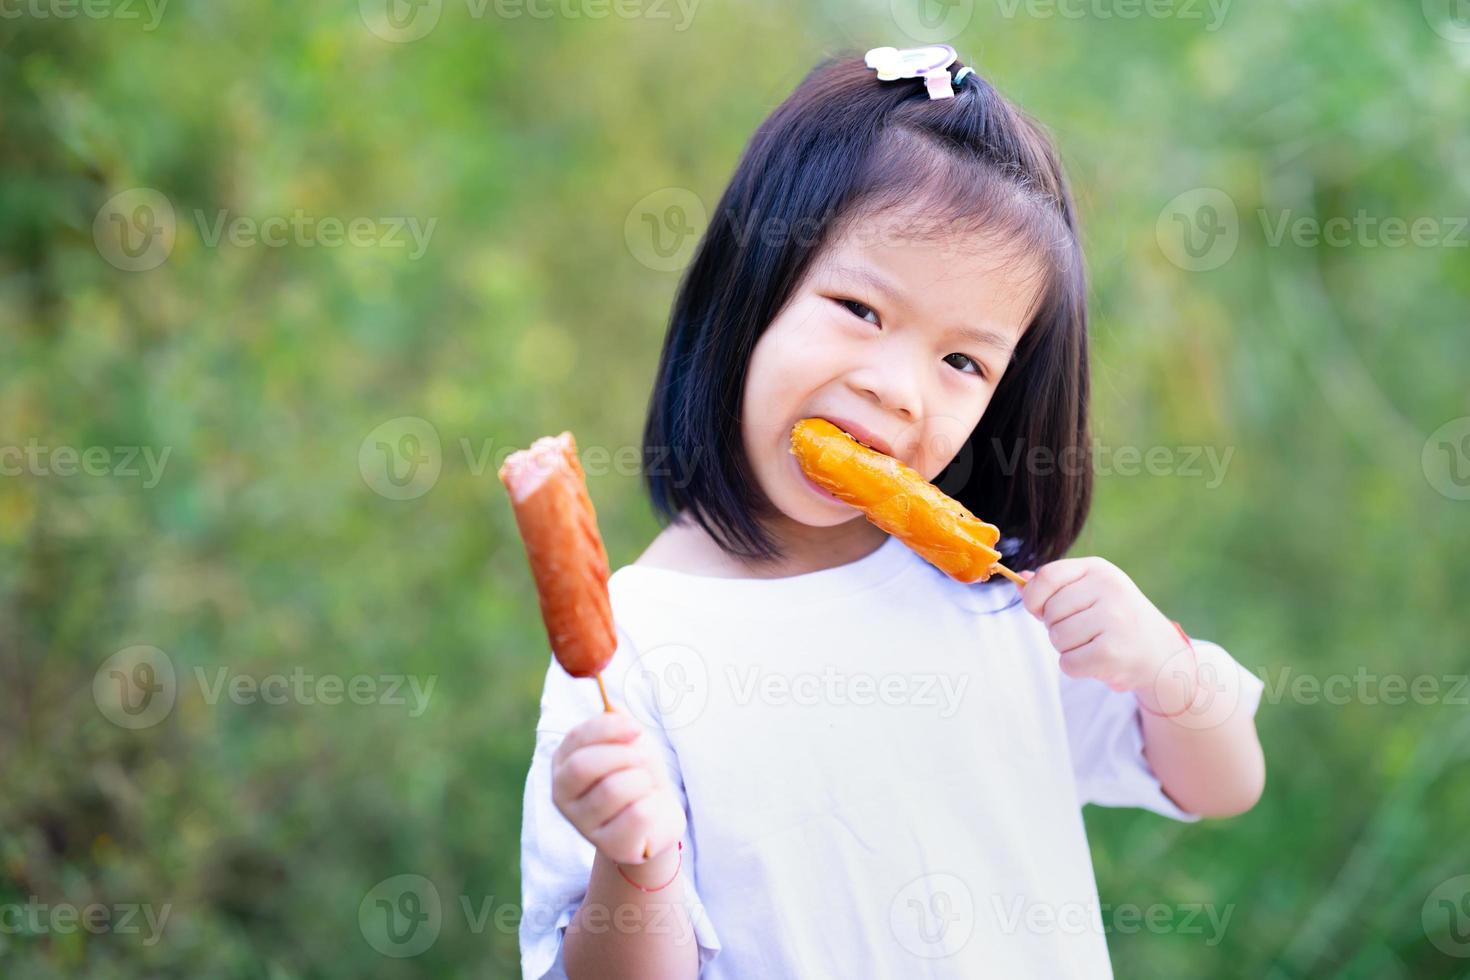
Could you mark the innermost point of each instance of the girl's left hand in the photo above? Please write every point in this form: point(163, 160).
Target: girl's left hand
point(1101, 624)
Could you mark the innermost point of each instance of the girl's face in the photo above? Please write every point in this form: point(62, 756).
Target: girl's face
point(896, 338)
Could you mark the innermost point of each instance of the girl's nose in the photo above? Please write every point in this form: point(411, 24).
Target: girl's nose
point(892, 385)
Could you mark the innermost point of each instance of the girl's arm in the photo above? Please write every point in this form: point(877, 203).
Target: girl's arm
point(609, 784)
point(1205, 752)
point(1199, 743)
point(620, 931)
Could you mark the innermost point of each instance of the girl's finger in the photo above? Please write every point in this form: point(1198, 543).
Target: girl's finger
point(581, 771)
point(614, 794)
point(1049, 578)
point(668, 829)
point(1085, 661)
point(628, 831)
point(607, 726)
point(1076, 630)
point(1071, 600)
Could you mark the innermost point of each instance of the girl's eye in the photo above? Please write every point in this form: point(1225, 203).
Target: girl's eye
point(965, 363)
point(859, 310)
point(958, 361)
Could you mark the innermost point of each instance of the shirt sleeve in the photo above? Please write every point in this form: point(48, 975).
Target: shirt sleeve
point(556, 860)
point(1105, 735)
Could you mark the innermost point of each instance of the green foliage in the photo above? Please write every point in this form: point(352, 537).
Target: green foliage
point(1327, 546)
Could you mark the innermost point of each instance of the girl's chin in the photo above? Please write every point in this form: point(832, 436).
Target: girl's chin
point(819, 516)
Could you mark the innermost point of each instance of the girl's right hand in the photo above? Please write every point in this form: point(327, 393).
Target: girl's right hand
point(607, 779)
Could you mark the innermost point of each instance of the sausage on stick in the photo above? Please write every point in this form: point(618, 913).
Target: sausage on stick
point(558, 526)
point(900, 501)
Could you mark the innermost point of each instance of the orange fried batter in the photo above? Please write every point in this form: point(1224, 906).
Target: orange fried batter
point(559, 528)
point(898, 500)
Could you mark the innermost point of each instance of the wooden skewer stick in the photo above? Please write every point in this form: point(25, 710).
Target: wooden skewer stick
point(1020, 582)
point(607, 707)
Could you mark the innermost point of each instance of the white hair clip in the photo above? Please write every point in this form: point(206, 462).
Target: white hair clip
point(931, 63)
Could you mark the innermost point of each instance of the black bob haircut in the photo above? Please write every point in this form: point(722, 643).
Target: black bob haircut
point(845, 143)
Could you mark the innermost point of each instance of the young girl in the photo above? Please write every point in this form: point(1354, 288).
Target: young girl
point(828, 758)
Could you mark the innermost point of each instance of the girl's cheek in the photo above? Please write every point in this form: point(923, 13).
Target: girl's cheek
point(820, 353)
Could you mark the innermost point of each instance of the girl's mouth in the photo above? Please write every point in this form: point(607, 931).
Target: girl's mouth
point(860, 435)
point(801, 475)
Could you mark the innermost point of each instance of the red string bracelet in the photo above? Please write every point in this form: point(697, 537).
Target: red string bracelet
point(660, 887)
point(1194, 696)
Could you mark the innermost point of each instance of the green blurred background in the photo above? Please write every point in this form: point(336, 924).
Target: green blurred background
point(532, 146)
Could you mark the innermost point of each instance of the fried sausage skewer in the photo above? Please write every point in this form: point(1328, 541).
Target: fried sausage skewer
point(558, 526)
point(900, 501)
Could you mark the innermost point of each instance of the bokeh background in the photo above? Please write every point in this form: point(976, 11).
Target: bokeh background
point(324, 418)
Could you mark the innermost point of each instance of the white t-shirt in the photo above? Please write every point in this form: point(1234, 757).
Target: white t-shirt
point(883, 771)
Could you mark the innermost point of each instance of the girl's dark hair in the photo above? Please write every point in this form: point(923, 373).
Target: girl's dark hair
point(845, 143)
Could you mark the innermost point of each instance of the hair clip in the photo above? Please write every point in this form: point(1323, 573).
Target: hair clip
point(931, 63)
